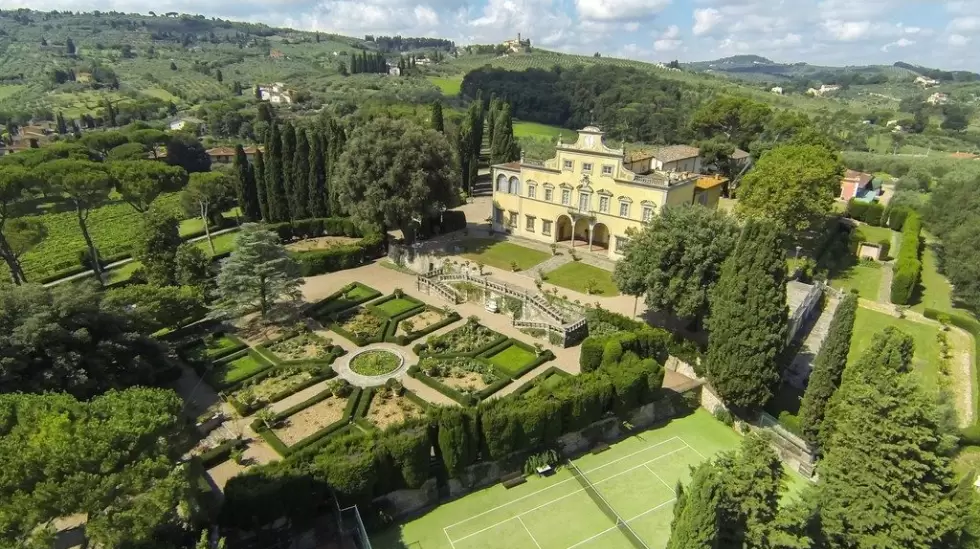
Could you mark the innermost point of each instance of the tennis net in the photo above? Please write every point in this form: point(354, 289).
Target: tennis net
point(607, 509)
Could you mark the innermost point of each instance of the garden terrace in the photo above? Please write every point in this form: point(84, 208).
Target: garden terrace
point(301, 347)
point(419, 324)
point(395, 305)
point(361, 326)
point(309, 422)
point(390, 404)
point(236, 368)
point(349, 296)
point(470, 339)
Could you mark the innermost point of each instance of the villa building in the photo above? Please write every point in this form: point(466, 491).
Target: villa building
point(590, 195)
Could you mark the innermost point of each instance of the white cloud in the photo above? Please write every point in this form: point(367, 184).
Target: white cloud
point(961, 25)
point(846, 31)
point(619, 10)
point(957, 40)
point(669, 40)
point(705, 20)
point(900, 43)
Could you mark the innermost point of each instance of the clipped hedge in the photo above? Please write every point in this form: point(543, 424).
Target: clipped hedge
point(338, 258)
point(684, 349)
point(908, 267)
point(337, 302)
point(552, 371)
point(316, 227)
point(209, 375)
point(277, 444)
point(973, 327)
point(326, 373)
point(412, 336)
point(336, 326)
point(220, 453)
point(856, 209)
point(884, 246)
point(458, 396)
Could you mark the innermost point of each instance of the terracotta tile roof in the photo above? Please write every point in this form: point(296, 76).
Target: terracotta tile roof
point(221, 151)
point(641, 154)
point(513, 166)
point(860, 178)
point(672, 153)
point(710, 181)
point(250, 150)
point(739, 154)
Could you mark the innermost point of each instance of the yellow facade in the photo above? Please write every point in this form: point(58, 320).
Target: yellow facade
point(585, 197)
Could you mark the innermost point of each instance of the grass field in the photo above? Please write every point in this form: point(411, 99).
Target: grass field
point(866, 279)
point(397, 306)
point(512, 359)
point(867, 323)
point(500, 254)
point(576, 276)
point(635, 478)
point(223, 243)
point(449, 86)
point(867, 233)
point(542, 131)
point(238, 369)
point(936, 290)
point(6, 90)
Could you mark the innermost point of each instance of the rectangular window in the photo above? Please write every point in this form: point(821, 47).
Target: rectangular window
point(513, 219)
point(532, 191)
point(647, 213)
point(607, 170)
point(529, 223)
point(566, 197)
point(583, 202)
point(567, 164)
point(586, 166)
point(546, 228)
point(624, 209)
point(604, 204)
point(549, 195)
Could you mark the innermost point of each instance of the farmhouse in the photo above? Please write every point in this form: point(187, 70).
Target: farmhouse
point(518, 45)
point(858, 185)
point(926, 82)
point(938, 98)
point(226, 155)
point(589, 195)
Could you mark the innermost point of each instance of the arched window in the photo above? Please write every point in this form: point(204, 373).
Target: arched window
point(501, 183)
point(515, 185)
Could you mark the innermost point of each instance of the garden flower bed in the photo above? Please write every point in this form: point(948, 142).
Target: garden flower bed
point(304, 346)
point(310, 421)
point(390, 405)
point(235, 368)
point(375, 363)
point(349, 296)
point(360, 326)
point(469, 339)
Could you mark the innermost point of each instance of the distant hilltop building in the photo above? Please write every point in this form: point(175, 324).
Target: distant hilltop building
point(926, 82)
point(823, 90)
point(938, 98)
point(276, 93)
point(517, 45)
point(777, 90)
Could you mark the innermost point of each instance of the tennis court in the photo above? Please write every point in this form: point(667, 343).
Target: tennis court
point(621, 498)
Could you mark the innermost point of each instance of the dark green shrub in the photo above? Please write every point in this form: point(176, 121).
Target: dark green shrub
point(896, 217)
point(349, 465)
point(612, 352)
point(885, 246)
point(629, 383)
point(856, 209)
point(590, 355)
point(970, 436)
point(459, 440)
point(907, 266)
point(409, 449)
point(873, 214)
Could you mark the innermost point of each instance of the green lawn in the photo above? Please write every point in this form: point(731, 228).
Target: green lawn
point(636, 477)
point(122, 273)
point(550, 381)
point(864, 278)
point(936, 290)
point(397, 306)
point(499, 254)
point(226, 373)
point(449, 86)
point(867, 323)
point(353, 296)
point(577, 276)
point(512, 359)
point(542, 131)
point(223, 243)
point(867, 233)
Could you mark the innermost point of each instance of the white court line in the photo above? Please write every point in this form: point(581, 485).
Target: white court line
point(556, 500)
point(693, 448)
point(536, 544)
point(627, 521)
point(662, 481)
point(566, 480)
point(451, 544)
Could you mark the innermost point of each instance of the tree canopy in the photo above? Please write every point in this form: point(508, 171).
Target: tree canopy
point(257, 274)
point(739, 119)
point(675, 260)
point(791, 185)
point(139, 182)
point(393, 171)
point(748, 319)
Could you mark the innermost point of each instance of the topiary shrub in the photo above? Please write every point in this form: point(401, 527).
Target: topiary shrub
point(612, 353)
point(873, 214)
point(856, 209)
point(590, 355)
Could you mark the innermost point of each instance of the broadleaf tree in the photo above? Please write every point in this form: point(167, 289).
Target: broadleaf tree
point(139, 182)
point(205, 191)
point(393, 172)
point(155, 246)
point(258, 273)
point(15, 182)
point(675, 260)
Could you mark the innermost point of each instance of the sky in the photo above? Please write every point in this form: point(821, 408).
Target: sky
point(939, 33)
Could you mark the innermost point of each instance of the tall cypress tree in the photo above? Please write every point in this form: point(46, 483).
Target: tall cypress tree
point(245, 189)
point(436, 117)
point(827, 369)
point(317, 181)
point(260, 188)
point(503, 148)
point(301, 175)
point(748, 318)
point(274, 186)
point(477, 114)
point(886, 477)
point(463, 143)
point(335, 142)
point(288, 156)
point(491, 117)
point(695, 524)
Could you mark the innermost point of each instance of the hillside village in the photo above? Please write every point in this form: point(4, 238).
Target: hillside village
point(293, 289)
